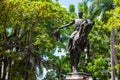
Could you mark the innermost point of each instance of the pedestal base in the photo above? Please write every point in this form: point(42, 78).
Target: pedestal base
point(78, 76)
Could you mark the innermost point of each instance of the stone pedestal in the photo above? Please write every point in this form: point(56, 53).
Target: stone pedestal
point(78, 76)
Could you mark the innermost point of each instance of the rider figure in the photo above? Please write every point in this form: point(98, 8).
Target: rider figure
point(77, 22)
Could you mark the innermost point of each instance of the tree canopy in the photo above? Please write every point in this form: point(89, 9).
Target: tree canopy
point(27, 47)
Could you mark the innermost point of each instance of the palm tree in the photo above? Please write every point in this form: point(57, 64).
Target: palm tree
point(98, 8)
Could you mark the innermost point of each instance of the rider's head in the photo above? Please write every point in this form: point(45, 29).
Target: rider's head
point(80, 14)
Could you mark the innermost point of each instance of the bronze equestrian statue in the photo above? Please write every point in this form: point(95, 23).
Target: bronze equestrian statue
point(78, 41)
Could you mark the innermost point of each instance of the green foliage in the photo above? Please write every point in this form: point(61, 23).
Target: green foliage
point(117, 2)
point(25, 28)
point(83, 7)
point(114, 23)
point(114, 19)
point(98, 69)
point(118, 70)
point(72, 8)
point(100, 39)
point(51, 75)
point(25, 41)
point(99, 7)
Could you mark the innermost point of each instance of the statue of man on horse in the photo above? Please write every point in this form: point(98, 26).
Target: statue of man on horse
point(78, 41)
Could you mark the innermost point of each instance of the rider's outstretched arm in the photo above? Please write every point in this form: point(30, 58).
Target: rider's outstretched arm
point(57, 33)
point(66, 25)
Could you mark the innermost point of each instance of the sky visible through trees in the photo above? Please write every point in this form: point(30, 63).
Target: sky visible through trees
point(66, 3)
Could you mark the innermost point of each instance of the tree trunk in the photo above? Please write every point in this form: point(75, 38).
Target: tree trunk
point(115, 54)
point(112, 47)
point(0, 68)
point(5, 69)
point(26, 71)
point(1, 61)
point(9, 67)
